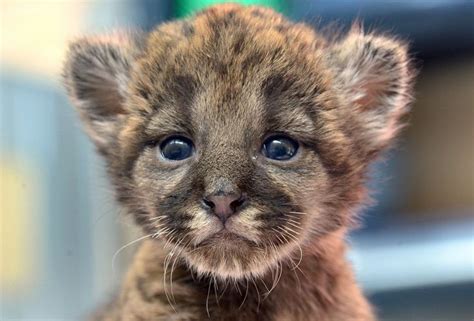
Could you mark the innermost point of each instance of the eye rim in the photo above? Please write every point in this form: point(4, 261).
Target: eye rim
point(159, 146)
point(276, 136)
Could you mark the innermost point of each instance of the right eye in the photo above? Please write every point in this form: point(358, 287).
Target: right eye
point(176, 148)
point(279, 147)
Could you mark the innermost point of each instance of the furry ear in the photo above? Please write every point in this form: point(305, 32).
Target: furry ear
point(96, 75)
point(374, 78)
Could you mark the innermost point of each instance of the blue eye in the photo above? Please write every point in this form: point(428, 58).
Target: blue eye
point(279, 147)
point(176, 148)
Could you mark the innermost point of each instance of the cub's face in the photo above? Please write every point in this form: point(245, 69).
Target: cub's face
point(236, 136)
point(230, 187)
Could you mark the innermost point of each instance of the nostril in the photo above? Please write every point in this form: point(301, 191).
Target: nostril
point(234, 205)
point(208, 203)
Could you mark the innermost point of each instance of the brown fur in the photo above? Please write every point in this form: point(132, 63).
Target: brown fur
point(226, 79)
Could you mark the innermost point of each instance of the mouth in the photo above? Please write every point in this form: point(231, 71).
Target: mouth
point(229, 255)
point(224, 237)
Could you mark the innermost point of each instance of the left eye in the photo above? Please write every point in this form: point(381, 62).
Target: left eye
point(279, 147)
point(176, 148)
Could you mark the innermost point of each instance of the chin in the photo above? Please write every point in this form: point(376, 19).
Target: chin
point(228, 256)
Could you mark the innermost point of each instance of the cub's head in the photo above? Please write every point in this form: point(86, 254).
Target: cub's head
point(235, 135)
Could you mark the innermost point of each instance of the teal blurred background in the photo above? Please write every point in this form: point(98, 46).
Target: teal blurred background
point(60, 226)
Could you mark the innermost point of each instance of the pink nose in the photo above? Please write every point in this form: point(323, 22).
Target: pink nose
point(224, 206)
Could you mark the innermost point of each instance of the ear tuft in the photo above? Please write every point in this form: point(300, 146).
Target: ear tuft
point(374, 76)
point(96, 74)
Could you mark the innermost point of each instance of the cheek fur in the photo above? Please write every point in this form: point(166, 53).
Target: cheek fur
point(300, 211)
point(163, 192)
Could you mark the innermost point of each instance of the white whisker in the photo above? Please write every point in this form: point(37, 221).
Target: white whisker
point(114, 257)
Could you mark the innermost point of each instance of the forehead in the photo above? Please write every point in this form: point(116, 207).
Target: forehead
point(230, 69)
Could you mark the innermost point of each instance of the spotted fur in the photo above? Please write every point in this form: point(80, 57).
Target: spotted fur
point(227, 78)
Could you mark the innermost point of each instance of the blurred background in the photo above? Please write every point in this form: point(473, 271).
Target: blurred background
point(59, 224)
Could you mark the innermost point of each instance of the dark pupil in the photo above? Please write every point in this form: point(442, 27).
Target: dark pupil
point(176, 149)
point(280, 148)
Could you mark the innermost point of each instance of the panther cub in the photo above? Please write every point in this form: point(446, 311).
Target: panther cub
point(240, 142)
